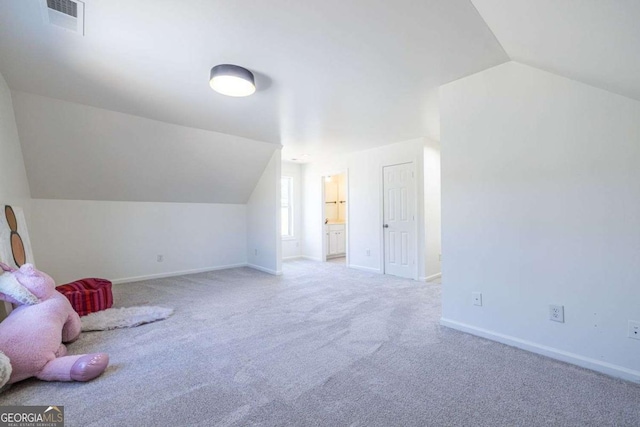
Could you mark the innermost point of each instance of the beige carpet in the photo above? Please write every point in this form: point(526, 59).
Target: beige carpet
point(320, 346)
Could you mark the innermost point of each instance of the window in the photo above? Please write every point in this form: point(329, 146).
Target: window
point(286, 206)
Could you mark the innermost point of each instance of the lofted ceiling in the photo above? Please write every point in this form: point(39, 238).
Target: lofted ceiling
point(127, 113)
point(592, 41)
point(332, 75)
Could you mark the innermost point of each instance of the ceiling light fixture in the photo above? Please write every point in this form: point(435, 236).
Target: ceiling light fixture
point(232, 80)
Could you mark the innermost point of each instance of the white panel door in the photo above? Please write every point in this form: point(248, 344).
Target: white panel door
point(399, 220)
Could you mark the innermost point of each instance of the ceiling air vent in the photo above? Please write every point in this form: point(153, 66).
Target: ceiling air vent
point(67, 14)
point(67, 7)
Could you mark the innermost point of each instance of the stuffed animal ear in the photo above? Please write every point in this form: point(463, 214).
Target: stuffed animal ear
point(12, 291)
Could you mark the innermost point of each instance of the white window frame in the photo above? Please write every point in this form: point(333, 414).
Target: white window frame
point(290, 235)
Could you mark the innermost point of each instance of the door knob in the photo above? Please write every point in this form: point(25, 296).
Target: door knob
point(386, 226)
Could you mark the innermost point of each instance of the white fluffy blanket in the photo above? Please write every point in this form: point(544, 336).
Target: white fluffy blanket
point(128, 317)
point(5, 369)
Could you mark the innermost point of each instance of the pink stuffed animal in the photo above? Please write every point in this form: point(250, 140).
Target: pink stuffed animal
point(32, 335)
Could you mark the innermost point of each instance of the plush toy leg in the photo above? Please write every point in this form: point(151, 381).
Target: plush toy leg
point(58, 369)
point(75, 368)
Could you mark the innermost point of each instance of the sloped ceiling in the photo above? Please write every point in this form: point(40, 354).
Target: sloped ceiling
point(596, 42)
point(77, 152)
point(333, 75)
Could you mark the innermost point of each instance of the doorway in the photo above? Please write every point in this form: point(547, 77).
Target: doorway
point(334, 215)
point(399, 220)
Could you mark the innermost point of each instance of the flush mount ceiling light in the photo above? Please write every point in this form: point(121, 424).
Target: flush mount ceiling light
point(232, 80)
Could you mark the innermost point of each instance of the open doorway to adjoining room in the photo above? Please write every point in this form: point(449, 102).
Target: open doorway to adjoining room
point(335, 208)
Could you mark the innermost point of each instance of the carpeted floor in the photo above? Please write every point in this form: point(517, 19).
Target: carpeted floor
point(320, 346)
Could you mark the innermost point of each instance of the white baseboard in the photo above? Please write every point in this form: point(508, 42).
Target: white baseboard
point(292, 257)
point(264, 269)
point(176, 273)
point(429, 278)
point(367, 269)
point(311, 258)
point(554, 353)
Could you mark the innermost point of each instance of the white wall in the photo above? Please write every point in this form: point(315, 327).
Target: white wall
point(365, 202)
point(14, 187)
point(291, 246)
point(432, 189)
point(264, 241)
point(541, 205)
point(93, 151)
point(75, 151)
point(364, 223)
point(121, 240)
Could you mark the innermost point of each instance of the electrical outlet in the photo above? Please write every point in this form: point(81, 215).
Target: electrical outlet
point(368, 252)
point(556, 313)
point(160, 258)
point(256, 251)
point(477, 298)
point(634, 329)
point(439, 257)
